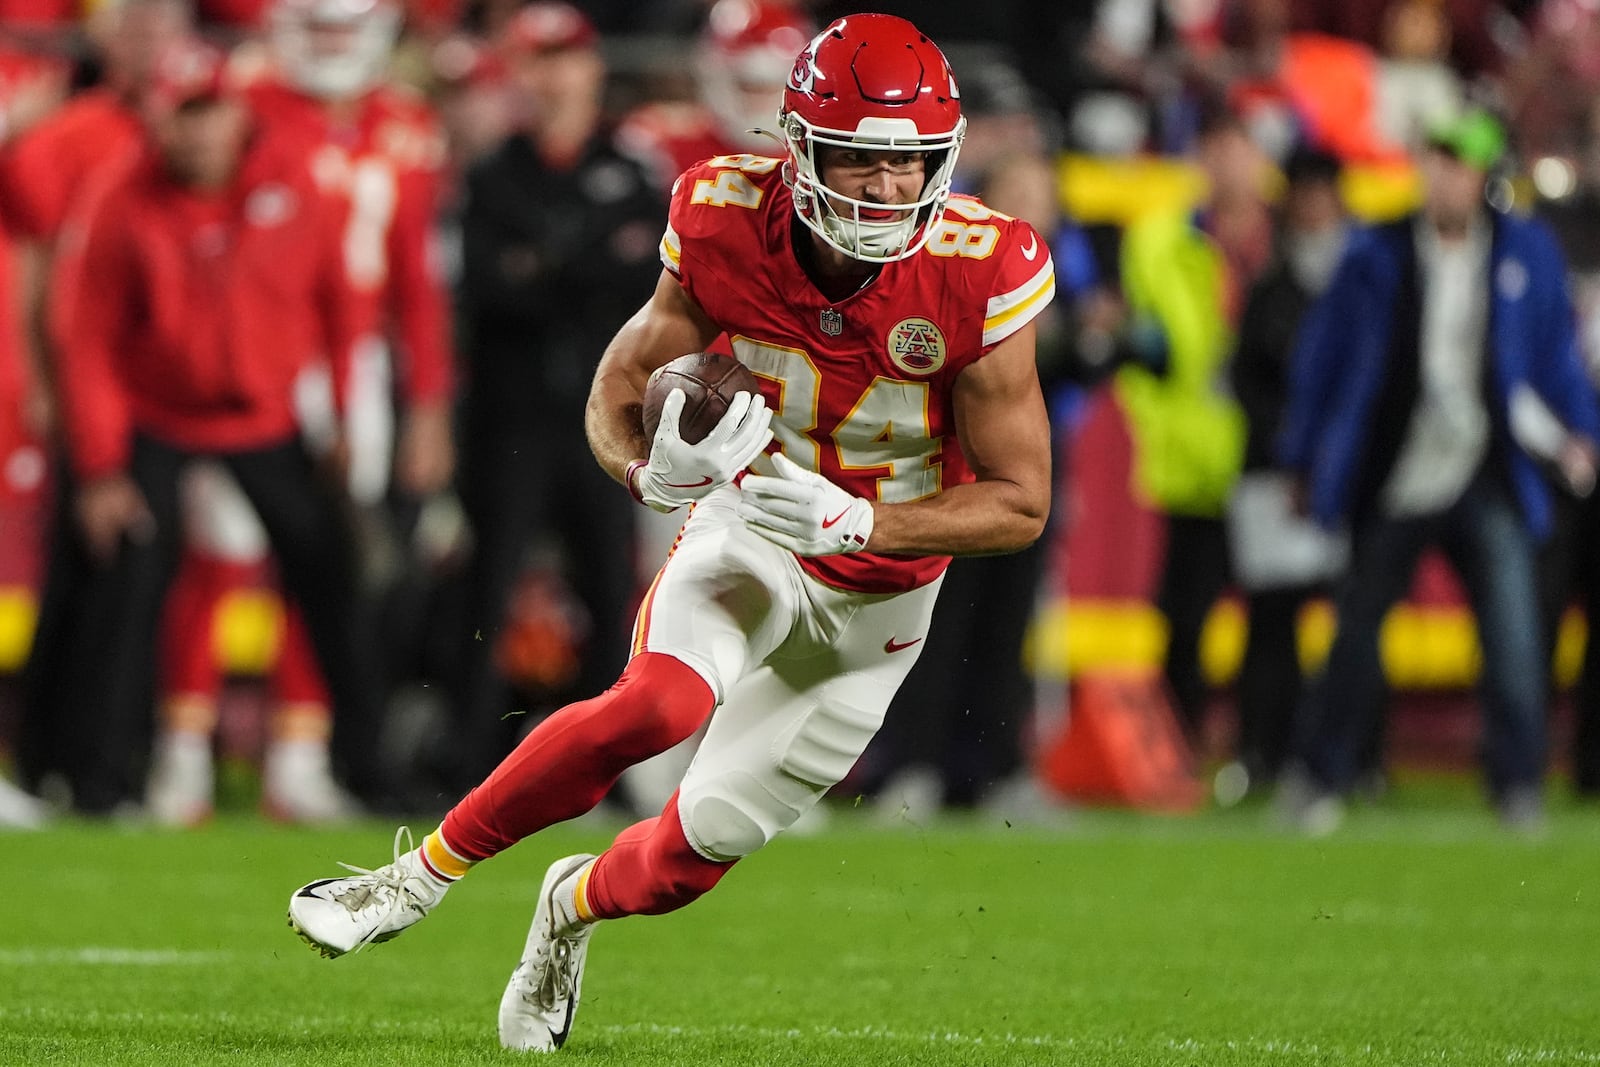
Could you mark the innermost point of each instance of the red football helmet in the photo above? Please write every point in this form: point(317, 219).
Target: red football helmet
point(871, 81)
point(334, 48)
point(745, 54)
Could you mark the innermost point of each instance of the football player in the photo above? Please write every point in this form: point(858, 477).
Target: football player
point(892, 327)
point(377, 156)
point(378, 152)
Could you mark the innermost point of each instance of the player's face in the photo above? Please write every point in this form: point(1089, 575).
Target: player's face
point(200, 142)
point(1454, 189)
point(1313, 207)
point(332, 40)
point(556, 80)
point(139, 33)
point(873, 175)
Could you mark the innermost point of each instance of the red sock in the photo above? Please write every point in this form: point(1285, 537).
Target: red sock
point(649, 869)
point(296, 678)
point(567, 764)
point(189, 666)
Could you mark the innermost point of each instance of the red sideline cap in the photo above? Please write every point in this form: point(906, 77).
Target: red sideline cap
point(547, 26)
point(187, 71)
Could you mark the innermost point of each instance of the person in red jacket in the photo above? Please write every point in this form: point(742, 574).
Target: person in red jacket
point(376, 153)
point(198, 281)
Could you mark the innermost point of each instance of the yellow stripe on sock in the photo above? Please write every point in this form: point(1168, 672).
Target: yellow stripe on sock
point(580, 898)
point(442, 859)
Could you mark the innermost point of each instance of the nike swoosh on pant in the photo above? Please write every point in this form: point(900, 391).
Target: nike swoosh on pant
point(892, 646)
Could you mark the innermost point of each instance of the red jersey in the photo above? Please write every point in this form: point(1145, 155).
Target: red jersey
point(44, 172)
point(16, 68)
point(382, 176)
point(188, 315)
point(670, 137)
point(861, 388)
point(60, 15)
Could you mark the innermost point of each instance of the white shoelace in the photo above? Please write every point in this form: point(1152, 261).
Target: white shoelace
point(389, 887)
point(557, 980)
point(557, 973)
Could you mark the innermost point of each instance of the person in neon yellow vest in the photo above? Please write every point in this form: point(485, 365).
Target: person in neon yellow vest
point(1185, 276)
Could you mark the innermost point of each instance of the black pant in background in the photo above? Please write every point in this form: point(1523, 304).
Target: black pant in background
point(524, 476)
point(1569, 569)
point(1270, 681)
point(1194, 575)
point(90, 681)
point(962, 709)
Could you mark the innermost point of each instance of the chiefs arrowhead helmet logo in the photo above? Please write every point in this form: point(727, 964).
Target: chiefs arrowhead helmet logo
point(803, 76)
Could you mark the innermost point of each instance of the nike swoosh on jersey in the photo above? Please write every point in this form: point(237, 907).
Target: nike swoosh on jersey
point(828, 523)
point(688, 485)
point(1032, 250)
point(892, 646)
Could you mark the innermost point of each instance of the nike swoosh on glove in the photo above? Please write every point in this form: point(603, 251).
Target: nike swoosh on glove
point(679, 473)
point(804, 512)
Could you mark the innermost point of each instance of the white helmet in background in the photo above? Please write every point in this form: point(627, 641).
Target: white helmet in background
point(334, 48)
point(746, 53)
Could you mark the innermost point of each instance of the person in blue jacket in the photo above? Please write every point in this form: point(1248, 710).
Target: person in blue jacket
point(1409, 421)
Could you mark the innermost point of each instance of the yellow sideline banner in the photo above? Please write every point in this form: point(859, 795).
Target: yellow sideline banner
point(1110, 191)
point(1432, 647)
point(1424, 647)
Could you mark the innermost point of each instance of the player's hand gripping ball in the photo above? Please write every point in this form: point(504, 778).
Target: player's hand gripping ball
point(706, 420)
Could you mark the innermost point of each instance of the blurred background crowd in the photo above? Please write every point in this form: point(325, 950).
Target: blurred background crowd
point(300, 299)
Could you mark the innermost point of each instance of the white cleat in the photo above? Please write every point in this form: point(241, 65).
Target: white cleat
point(338, 915)
point(19, 811)
point(297, 786)
point(180, 790)
point(542, 997)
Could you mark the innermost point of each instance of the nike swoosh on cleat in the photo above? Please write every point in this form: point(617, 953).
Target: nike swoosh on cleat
point(828, 523)
point(688, 485)
point(892, 646)
point(559, 1037)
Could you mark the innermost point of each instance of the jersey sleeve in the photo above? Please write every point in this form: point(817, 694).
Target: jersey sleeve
point(714, 222)
point(92, 295)
point(1023, 284)
point(35, 190)
point(684, 216)
point(416, 293)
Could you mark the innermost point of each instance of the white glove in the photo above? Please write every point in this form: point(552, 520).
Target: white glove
point(679, 473)
point(804, 512)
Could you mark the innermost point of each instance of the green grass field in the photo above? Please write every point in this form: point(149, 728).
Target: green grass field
point(1420, 934)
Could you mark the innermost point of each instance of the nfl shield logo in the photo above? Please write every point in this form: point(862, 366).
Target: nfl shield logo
point(832, 322)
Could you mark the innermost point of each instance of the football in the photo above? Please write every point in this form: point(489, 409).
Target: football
point(709, 381)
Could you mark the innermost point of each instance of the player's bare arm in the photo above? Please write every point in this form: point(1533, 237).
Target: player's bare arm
point(1005, 433)
point(669, 325)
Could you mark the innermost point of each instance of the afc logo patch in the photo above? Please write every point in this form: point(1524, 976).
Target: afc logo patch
point(916, 346)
